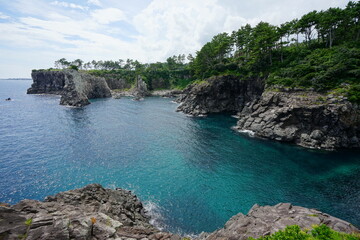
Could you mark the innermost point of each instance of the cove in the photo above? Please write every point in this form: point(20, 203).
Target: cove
point(194, 173)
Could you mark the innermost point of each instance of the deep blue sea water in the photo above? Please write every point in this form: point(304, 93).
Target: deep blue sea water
point(193, 173)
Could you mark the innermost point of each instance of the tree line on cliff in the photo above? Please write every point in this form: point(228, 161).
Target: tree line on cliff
point(320, 51)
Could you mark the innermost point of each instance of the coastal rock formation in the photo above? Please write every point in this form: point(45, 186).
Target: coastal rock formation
point(74, 87)
point(139, 91)
point(91, 212)
point(219, 94)
point(266, 220)
point(94, 212)
point(305, 118)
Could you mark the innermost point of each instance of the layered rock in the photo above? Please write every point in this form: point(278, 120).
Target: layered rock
point(91, 212)
point(219, 94)
point(94, 212)
point(74, 87)
point(266, 220)
point(305, 118)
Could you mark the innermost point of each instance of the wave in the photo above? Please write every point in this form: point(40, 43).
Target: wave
point(248, 132)
point(156, 217)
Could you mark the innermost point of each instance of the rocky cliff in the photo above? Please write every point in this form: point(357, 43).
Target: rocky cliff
point(306, 118)
point(74, 87)
point(93, 212)
point(219, 94)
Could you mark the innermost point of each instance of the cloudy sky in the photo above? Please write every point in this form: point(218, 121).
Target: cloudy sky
point(35, 33)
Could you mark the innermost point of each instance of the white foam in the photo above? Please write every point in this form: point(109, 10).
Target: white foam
point(154, 211)
point(248, 132)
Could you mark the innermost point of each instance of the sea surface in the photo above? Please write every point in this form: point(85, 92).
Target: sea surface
point(192, 173)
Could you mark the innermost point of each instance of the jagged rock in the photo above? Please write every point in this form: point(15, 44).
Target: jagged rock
point(166, 93)
point(118, 214)
point(219, 94)
point(74, 87)
point(67, 215)
point(266, 220)
point(305, 118)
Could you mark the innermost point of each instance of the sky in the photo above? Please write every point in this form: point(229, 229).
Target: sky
point(36, 33)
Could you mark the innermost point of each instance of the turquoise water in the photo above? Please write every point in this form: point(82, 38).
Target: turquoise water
point(193, 173)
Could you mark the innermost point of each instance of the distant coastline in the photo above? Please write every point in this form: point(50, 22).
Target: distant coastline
point(23, 79)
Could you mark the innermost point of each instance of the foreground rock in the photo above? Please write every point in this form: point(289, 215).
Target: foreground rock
point(91, 212)
point(74, 87)
point(262, 221)
point(305, 118)
point(219, 94)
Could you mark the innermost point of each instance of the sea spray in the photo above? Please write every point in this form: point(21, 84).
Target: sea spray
point(156, 217)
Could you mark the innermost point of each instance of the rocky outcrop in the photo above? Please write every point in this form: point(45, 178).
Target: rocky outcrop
point(167, 93)
point(94, 212)
point(91, 212)
point(305, 118)
point(138, 91)
point(219, 94)
point(262, 221)
point(74, 87)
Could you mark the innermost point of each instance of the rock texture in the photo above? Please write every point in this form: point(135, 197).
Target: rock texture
point(138, 91)
point(116, 214)
point(93, 213)
point(219, 94)
point(305, 118)
point(74, 87)
point(266, 220)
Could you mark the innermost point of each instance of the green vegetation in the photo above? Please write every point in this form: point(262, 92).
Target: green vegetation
point(319, 51)
point(321, 232)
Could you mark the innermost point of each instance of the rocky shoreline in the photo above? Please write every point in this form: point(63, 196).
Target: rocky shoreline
point(93, 212)
point(74, 87)
point(306, 118)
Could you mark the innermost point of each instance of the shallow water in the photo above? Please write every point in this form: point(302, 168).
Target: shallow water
point(194, 173)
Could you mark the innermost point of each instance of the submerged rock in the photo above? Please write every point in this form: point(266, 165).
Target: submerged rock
point(305, 118)
point(74, 87)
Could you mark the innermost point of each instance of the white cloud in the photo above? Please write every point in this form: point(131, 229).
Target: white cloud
point(3, 16)
point(68, 5)
point(108, 15)
point(95, 2)
point(154, 31)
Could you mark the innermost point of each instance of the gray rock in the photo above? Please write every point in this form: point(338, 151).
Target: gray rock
point(299, 117)
point(266, 220)
point(67, 215)
point(74, 87)
point(219, 94)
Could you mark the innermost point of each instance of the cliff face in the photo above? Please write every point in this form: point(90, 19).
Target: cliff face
point(93, 212)
point(75, 88)
point(219, 94)
point(305, 118)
